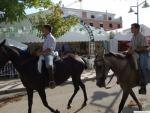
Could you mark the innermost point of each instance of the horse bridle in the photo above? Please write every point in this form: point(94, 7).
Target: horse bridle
point(104, 72)
point(103, 65)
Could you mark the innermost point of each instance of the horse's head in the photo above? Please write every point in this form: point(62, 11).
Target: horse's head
point(101, 69)
point(4, 58)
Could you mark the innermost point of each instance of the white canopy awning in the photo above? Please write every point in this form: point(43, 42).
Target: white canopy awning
point(126, 35)
point(23, 37)
point(79, 34)
point(15, 43)
point(79, 37)
point(123, 37)
point(143, 29)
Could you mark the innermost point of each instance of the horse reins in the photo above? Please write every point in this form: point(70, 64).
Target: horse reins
point(106, 76)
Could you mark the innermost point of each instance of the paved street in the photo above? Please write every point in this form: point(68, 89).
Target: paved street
point(100, 100)
point(15, 85)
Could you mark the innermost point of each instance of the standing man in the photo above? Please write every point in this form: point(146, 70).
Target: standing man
point(139, 48)
point(49, 46)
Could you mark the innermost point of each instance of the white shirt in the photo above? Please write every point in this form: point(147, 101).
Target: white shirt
point(49, 42)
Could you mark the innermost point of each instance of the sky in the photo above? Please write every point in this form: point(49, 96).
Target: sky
point(117, 7)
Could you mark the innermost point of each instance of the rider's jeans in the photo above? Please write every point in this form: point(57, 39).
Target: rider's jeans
point(143, 67)
point(48, 60)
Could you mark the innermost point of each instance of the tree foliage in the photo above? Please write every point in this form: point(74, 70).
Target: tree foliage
point(60, 25)
point(15, 9)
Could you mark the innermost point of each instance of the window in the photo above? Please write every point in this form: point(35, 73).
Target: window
point(91, 24)
point(101, 25)
point(110, 25)
point(109, 18)
point(92, 16)
point(119, 26)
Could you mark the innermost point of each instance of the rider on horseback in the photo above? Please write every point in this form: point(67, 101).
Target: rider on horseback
point(48, 52)
point(139, 50)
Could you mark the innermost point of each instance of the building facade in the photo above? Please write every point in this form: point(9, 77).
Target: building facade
point(97, 19)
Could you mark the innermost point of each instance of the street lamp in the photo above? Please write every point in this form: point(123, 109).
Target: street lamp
point(145, 5)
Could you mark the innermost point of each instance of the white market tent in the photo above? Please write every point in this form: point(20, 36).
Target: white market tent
point(11, 42)
point(126, 35)
point(21, 37)
point(143, 29)
point(79, 34)
point(79, 37)
point(123, 37)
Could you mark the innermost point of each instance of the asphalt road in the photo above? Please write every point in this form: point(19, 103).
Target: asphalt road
point(100, 100)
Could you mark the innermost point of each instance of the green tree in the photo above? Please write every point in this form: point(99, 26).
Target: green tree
point(60, 25)
point(15, 9)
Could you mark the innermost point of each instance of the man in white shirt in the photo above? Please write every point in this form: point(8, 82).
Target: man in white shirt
point(49, 46)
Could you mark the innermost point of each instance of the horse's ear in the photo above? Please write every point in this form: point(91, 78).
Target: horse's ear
point(3, 42)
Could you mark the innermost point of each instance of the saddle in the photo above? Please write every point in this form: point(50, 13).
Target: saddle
point(74, 56)
point(132, 61)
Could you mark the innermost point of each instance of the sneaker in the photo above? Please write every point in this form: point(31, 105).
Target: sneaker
point(52, 84)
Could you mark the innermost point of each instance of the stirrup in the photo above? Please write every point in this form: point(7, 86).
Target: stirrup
point(142, 91)
point(52, 84)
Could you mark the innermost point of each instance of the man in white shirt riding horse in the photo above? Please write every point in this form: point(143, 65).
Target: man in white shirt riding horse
point(49, 46)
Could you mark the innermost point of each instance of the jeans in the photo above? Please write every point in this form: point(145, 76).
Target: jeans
point(143, 67)
point(49, 60)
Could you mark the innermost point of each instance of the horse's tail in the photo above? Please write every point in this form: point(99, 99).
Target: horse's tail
point(85, 63)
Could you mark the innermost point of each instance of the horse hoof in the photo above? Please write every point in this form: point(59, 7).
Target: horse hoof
point(57, 111)
point(69, 107)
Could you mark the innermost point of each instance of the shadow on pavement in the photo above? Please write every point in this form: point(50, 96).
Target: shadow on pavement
point(98, 95)
point(129, 109)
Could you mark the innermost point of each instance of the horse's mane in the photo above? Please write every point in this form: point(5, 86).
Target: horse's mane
point(117, 55)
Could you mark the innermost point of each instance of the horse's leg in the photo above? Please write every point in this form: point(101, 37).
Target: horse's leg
point(76, 89)
point(43, 97)
point(84, 92)
point(135, 99)
point(123, 100)
point(30, 99)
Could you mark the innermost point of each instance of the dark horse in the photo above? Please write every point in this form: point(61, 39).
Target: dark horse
point(123, 70)
point(26, 65)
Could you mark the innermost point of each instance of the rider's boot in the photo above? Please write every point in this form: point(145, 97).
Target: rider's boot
point(52, 83)
point(142, 90)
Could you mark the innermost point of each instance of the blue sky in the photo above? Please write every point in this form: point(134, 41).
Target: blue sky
point(118, 7)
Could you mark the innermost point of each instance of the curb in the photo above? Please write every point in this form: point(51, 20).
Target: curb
point(24, 89)
point(12, 91)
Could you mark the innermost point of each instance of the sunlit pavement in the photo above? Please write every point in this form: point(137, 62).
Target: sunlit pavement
point(100, 100)
point(15, 85)
point(11, 86)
